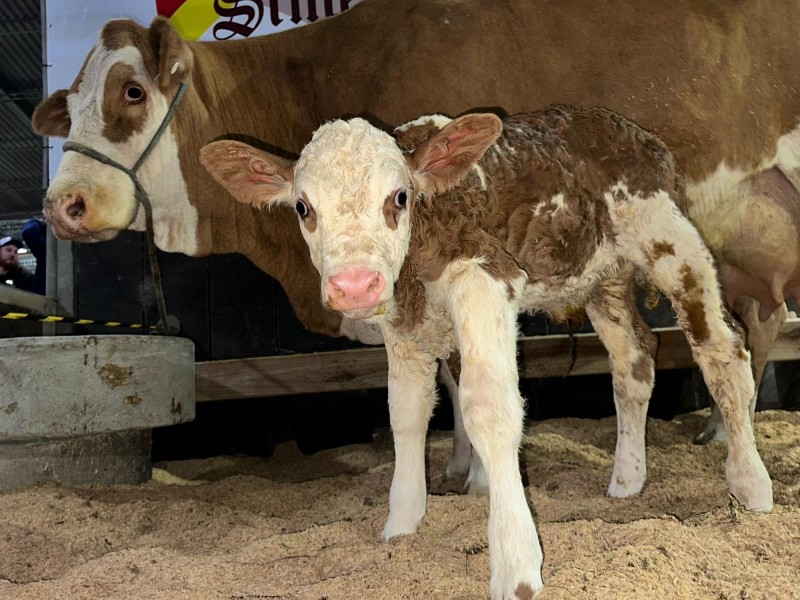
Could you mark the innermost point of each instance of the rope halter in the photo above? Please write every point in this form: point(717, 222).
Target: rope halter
point(140, 195)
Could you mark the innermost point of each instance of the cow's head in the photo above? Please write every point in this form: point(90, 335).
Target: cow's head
point(114, 106)
point(354, 190)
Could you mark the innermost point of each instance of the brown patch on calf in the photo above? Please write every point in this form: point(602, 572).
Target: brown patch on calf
point(410, 297)
point(524, 592)
point(688, 279)
point(310, 220)
point(693, 307)
point(660, 249)
point(641, 370)
point(122, 118)
point(409, 137)
point(696, 320)
point(392, 212)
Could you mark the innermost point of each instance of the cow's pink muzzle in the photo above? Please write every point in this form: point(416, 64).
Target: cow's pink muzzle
point(354, 289)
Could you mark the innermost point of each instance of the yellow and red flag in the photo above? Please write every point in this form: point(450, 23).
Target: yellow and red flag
point(191, 18)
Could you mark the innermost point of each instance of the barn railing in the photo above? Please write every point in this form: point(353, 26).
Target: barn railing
point(366, 368)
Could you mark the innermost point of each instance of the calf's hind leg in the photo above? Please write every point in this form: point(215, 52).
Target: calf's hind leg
point(465, 464)
point(630, 345)
point(678, 262)
point(760, 337)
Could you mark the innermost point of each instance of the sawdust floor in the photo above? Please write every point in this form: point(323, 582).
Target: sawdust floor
point(307, 527)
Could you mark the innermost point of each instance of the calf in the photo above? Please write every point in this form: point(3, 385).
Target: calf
point(445, 245)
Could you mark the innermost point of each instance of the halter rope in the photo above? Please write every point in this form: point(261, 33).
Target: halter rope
point(141, 195)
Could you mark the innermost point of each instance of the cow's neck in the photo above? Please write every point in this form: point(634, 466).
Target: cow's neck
point(198, 217)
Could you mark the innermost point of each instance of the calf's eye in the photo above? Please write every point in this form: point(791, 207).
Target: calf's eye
point(401, 199)
point(134, 94)
point(301, 209)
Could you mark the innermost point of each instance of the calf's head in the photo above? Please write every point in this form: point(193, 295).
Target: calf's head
point(114, 106)
point(354, 191)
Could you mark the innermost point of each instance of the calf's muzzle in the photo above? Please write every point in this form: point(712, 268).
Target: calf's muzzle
point(356, 288)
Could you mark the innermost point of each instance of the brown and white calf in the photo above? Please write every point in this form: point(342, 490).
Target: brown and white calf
point(444, 247)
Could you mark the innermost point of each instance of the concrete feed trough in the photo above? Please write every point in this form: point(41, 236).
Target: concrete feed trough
point(80, 409)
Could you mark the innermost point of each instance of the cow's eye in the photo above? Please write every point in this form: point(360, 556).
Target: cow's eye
point(401, 199)
point(134, 94)
point(301, 209)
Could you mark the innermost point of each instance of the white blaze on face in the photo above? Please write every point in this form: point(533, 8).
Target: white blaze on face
point(88, 123)
point(348, 174)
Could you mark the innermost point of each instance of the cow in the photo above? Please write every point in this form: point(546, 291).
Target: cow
point(566, 209)
point(717, 80)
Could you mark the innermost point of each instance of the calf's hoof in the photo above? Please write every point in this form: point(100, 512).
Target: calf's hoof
point(395, 527)
point(750, 484)
point(477, 482)
point(627, 482)
point(527, 589)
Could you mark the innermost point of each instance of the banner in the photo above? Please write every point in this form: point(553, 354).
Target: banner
point(221, 20)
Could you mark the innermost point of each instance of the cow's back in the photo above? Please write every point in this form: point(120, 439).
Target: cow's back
point(702, 75)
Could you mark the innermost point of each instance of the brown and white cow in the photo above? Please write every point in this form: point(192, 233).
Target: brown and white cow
point(719, 81)
point(567, 210)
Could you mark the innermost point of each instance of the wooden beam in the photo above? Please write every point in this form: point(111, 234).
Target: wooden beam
point(540, 356)
point(25, 301)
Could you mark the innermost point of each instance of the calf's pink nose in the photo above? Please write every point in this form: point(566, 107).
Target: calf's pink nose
point(355, 288)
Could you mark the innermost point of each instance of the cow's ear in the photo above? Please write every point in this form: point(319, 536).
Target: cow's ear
point(252, 176)
point(174, 56)
point(443, 160)
point(51, 117)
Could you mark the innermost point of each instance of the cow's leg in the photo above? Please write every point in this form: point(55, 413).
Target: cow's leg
point(630, 345)
point(412, 394)
point(485, 322)
point(464, 464)
point(760, 337)
point(679, 263)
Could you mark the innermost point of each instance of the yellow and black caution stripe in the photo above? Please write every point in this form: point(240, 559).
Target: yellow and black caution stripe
point(20, 316)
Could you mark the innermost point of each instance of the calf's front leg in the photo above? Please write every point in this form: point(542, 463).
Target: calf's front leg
point(412, 395)
point(485, 322)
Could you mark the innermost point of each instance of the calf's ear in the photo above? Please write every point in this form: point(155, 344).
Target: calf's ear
point(252, 176)
point(443, 160)
point(51, 117)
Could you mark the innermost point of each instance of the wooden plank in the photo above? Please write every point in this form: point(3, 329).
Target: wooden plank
point(366, 368)
point(337, 370)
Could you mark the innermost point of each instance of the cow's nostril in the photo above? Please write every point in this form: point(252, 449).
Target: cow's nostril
point(76, 209)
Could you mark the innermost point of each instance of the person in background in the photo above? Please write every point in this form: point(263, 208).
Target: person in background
point(35, 236)
point(10, 271)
